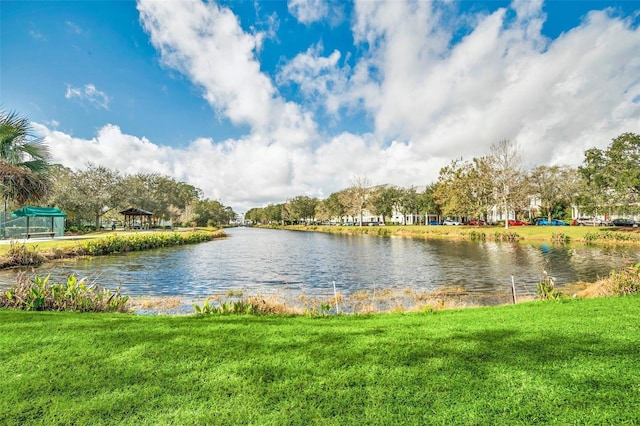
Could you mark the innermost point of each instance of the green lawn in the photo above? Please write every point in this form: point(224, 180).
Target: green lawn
point(580, 234)
point(570, 362)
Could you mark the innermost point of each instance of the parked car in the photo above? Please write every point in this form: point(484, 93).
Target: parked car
point(518, 223)
point(451, 222)
point(476, 222)
point(585, 221)
point(554, 222)
point(625, 222)
point(434, 223)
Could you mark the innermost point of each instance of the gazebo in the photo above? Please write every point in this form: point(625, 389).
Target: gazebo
point(131, 214)
point(29, 212)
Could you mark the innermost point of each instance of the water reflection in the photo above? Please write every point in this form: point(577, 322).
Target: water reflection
point(262, 261)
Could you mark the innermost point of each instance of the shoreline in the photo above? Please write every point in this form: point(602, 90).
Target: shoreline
point(590, 235)
point(26, 253)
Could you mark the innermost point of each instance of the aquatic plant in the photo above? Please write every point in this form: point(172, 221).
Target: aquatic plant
point(559, 237)
point(38, 294)
point(20, 254)
point(546, 288)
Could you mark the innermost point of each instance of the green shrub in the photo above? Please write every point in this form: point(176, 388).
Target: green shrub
point(477, 235)
point(139, 242)
point(20, 254)
point(559, 237)
point(506, 236)
point(591, 237)
point(626, 281)
point(239, 307)
point(546, 288)
point(37, 294)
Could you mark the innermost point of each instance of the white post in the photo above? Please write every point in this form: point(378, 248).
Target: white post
point(335, 295)
point(513, 290)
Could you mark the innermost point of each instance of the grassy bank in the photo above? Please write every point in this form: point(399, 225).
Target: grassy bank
point(36, 252)
point(571, 362)
point(554, 234)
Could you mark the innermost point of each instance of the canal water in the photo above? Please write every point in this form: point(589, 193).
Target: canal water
point(267, 262)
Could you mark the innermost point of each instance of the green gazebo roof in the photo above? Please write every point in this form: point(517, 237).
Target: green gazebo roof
point(29, 211)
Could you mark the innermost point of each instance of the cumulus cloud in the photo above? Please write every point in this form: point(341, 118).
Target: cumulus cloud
point(247, 172)
point(308, 11)
point(88, 95)
point(455, 97)
point(320, 78)
point(432, 94)
point(205, 42)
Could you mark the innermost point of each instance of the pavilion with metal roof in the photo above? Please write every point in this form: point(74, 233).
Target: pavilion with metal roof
point(134, 215)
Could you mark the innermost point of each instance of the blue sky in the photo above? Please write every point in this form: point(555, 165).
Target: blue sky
point(257, 102)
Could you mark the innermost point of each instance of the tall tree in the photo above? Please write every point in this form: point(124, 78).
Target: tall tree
point(355, 198)
point(88, 194)
point(508, 177)
point(384, 200)
point(465, 188)
point(613, 175)
point(554, 186)
point(407, 203)
point(211, 213)
point(426, 202)
point(165, 197)
point(334, 206)
point(303, 208)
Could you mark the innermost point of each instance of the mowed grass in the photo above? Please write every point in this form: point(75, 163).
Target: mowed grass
point(570, 362)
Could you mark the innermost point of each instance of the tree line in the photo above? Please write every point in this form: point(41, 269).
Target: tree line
point(606, 183)
point(96, 193)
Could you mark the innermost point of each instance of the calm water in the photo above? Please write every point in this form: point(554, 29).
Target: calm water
point(263, 261)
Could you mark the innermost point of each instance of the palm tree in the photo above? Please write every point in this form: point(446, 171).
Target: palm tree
point(19, 146)
point(24, 161)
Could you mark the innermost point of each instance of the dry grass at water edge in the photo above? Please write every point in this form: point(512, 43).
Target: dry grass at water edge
point(556, 234)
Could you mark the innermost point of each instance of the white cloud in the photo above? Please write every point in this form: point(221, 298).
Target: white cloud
point(308, 11)
point(247, 173)
point(320, 78)
point(503, 80)
point(433, 96)
point(37, 35)
point(88, 94)
point(73, 27)
point(206, 43)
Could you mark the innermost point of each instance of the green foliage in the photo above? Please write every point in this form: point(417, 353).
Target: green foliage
point(478, 236)
point(615, 236)
point(506, 236)
point(22, 255)
point(303, 208)
point(37, 294)
point(24, 160)
point(238, 307)
point(559, 237)
point(211, 213)
point(626, 281)
point(546, 288)
point(612, 176)
point(139, 242)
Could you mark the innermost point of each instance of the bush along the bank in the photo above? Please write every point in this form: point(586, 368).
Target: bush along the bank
point(592, 237)
point(127, 243)
point(623, 282)
point(20, 254)
point(37, 294)
point(546, 288)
